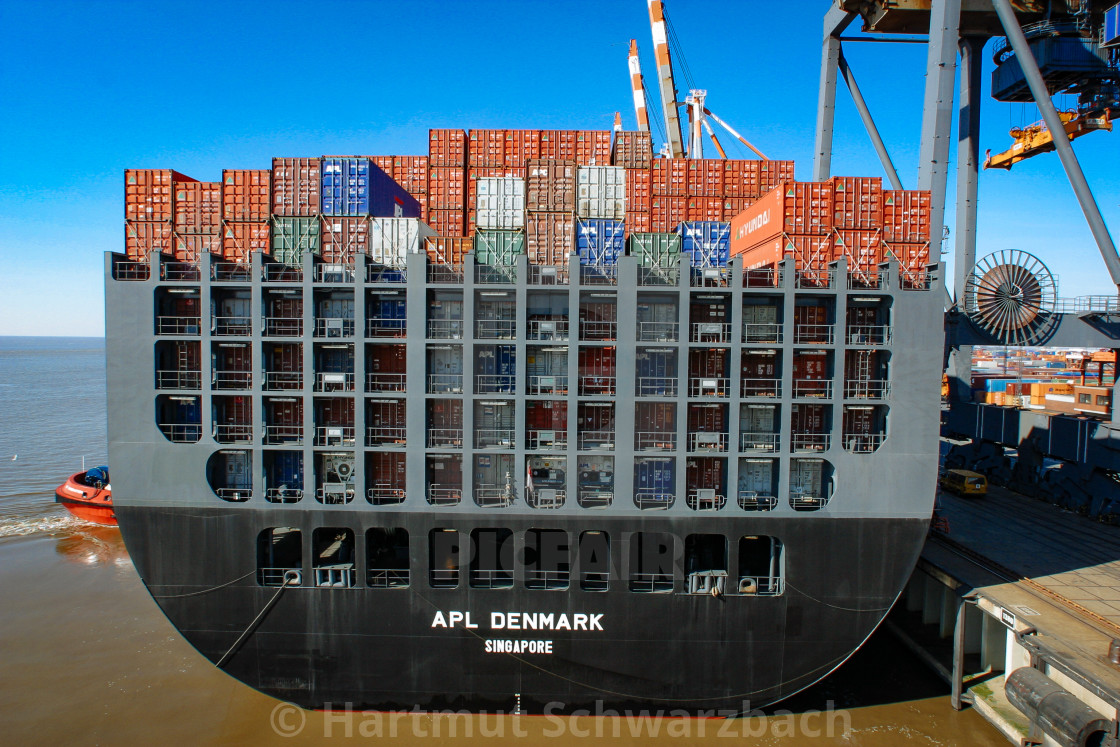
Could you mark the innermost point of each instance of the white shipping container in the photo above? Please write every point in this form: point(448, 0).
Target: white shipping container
point(500, 202)
point(392, 239)
point(601, 192)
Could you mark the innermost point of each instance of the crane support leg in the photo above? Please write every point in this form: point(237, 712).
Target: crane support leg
point(835, 21)
point(868, 121)
point(1061, 144)
point(937, 112)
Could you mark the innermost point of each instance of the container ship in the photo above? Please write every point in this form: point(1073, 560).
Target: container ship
point(538, 420)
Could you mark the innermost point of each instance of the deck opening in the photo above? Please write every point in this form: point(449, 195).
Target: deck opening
point(491, 564)
point(387, 558)
point(279, 552)
point(332, 556)
point(705, 562)
point(547, 559)
point(761, 566)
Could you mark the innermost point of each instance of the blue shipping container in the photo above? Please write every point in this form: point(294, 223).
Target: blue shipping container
point(600, 241)
point(287, 470)
point(656, 477)
point(356, 186)
point(707, 243)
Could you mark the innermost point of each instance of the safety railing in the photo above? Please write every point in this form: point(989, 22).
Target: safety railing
point(273, 272)
point(545, 498)
point(232, 379)
point(704, 441)
point(385, 494)
point(546, 440)
point(762, 333)
point(708, 386)
point(387, 578)
point(335, 494)
point(651, 582)
point(440, 578)
point(760, 388)
point(598, 274)
point(235, 495)
point(709, 277)
point(233, 433)
point(283, 326)
point(813, 334)
point(552, 384)
point(445, 274)
point(869, 334)
point(181, 433)
point(759, 441)
point(810, 441)
point(658, 331)
point(231, 272)
point(547, 329)
point(283, 494)
point(445, 329)
point(594, 385)
point(334, 381)
point(334, 273)
point(595, 440)
point(178, 325)
point(385, 274)
point(705, 500)
point(761, 586)
point(655, 386)
point(597, 331)
point(493, 496)
point(591, 498)
point(386, 435)
point(709, 332)
point(812, 388)
point(655, 440)
point(334, 435)
point(282, 380)
point(867, 388)
point(494, 383)
point(863, 443)
point(283, 434)
point(445, 438)
point(548, 275)
point(800, 500)
point(334, 327)
point(495, 329)
point(177, 272)
point(495, 274)
point(490, 578)
point(232, 326)
point(445, 383)
point(178, 379)
point(489, 438)
point(385, 327)
point(386, 382)
point(441, 495)
point(752, 500)
point(762, 278)
point(659, 276)
point(547, 579)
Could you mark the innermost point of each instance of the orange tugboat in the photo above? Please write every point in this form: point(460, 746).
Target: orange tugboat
point(89, 496)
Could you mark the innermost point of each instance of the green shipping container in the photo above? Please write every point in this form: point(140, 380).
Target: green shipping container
point(294, 237)
point(656, 249)
point(493, 247)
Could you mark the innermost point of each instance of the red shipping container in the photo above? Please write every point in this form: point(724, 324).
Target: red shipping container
point(144, 238)
point(773, 173)
point(148, 193)
point(386, 359)
point(638, 223)
point(385, 163)
point(741, 178)
point(447, 148)
point(670, 176)
point(913, 257)
point(549, 238)
point(423, 200)
point(546, 415)
point(447, 222)
point(707, 419)
point(759, 364)
point(445, 413)
point(344, 238)
point(550, 145)
point(808, 419)
point(793, 208)
point(597, 370)
point(593, 147)
point(447, 188)
point(241, 239)
point(448, 250)
point(708, 363)
point(550, 185)
point(192, 247)
point(522, 145)
point(668, 212)
point(705, 208)
point(706, 473)
point(732, 206)
point(198, 207)
point(295, 186)
point(638, 191)
point(655, 417)
point(857, 202)
point(864, 250)
point(705, 178)
point(811, 254)
point(632, 150)
point(486, 148)
point(411, 172)
point(246, 194)
point(859, 420)
point(906, 215)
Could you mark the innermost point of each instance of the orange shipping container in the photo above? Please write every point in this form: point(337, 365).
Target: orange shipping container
point(773, 173)
point(638, 223)
point(912, 257)
point(198, 207)
point(705, 208)
point(448, 250)
point(447, 189)
point(741, 178)
point(447, 222)
point(670, 176)
point(638, 194)
point(148, 193)
point(668, 212)
point(192, 247)
point(864, 250)
point(411, 172)
point(705, 178)
point(295, 186)
point(732, 206)
point(792, 208)
point(240, 239)
point(906, 215)
point(593, 147)
point(144, 238)
point(522, 145)
point(447, 148)
point(344, 238)
point(550, 185)
point(811, 253)
point(549, 238)
point(385, 163)
point(246, 194)
point(486, 148)
point(632, 150)
point(857, 202)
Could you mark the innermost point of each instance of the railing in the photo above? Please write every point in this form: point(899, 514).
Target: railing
point(278, 273)
point(705, 500)
point(335, 493)
point(236, 495)
point(709, 277)
point(334, 327)
point(597, 330)
point(283, 326)
point(592, 385)
point(181, 433)
point(651, 582)
point(386, 382)
point(283, 495)
point(387, 578)
point(655, 440)
point(233, 433)
point(283, 434)
point(656, 386)
point(385, 274)
point(445, 383)
point(708, 387)
point(331, 273)
point(490, 578)
point(178, 325)
point(495, 274)
point(752, 500)
point(493, 496)
point(126, 270)
point(547, 329)
point(863, 443)
point(762, 332)
point(818, 279)
point(487, 438)
point(282, 380)
point(919, 280)
point(867, 389)
point(589, 498)
point(817, 388)
point(276, 576)
point(334, 435)
point(869, 334)
point(334, 576)
point(439, 578)
point(603, 440)
point(178, 379)
point(495, 329)
point(710, 332)
point(546, 440)
point(759, 441)
point(801, 501)
point(867, 281)
point(659, 276)
point(232, 379)
point(817, 334)
point(761, 586)
point(1100, 304)
point(548, 275)
point(810, 441)
point(760, 388)
point(177, 272)
point(445, 438)
point(334, 381)
point(441, 273)
point(385, 435)
point(539, 384)
point(445, 329)
point(547, 579)
point(494, 383)
point(762, 278)
point(385, 494)
point(441, 496)
point(594, 580)
point(704, 441)
point(232, 326)
point(545, 498)
point(658, 331)
point(385, 327)
point(231, 271)
point(598, 274)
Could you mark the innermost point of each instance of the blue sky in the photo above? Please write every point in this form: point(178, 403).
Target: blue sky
point(90, 88)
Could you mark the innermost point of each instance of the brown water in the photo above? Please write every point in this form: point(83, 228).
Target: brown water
point(86, 657)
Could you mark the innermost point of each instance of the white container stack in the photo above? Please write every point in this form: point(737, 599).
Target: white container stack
point(392, 239)
point(601, 192)
point(500, 203)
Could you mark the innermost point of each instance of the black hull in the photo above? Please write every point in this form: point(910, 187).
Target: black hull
point(375, 648)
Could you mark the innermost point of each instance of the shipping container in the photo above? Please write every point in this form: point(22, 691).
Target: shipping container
point(706, 473)
point(757, 477)
point(241, 239)
point(906, 215)
point(741, 179)
point(286, 412)
point(391, 240)
point(704, 209)
point(863, 248)
point(385, 163)
point(194, 247)
point(447, 188)
point(447, 222)
point(553, 143)
point(857, 202)
point(601, 192)
point(655, 480)
point(595, 417)
point(599, 241)
point(811, 254)
point(447, 148)
point(670, 177)
point(639, 195)
point(550, 185)
point(546, 415)
point(445, 473)
point(710, 363)
point(802, 208)
point(500, 203)
point(445, 414)
point(550, 238)
point(812, 375)
point(411, 172)
point(246, 195)
point(759, 419)
point(198, 207)
point(705, 177)
point(655, 372)
point(656, 249)
point(732, 206)
point(638, 222)
point(148, 194)
point(656, 418)
point(343, 239)
point(810, 419)
point(759, 367)
point(912, 257)
point(385, 476)
point(707, 418)
point(667, 213)
point(773, 173)
point(593, 147)
point(498, 247)
point(353, 185)
point(632, 150)
point(294, 237)
point(486, 148)
point(448, 250)
point(705, 243)
point(596, 371)
point(807, 478)
point(521, 146)
point(295, 186)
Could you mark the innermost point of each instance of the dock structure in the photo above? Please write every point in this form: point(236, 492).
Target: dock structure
point(1016, 603)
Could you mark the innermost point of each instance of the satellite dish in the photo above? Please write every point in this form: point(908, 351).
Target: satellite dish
point(1011, 295)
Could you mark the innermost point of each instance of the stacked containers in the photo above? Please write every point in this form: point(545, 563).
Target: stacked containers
point(246, 207)
point(550, 210)
point(706, 243)
point(391, 240)
point(521, 147)
point(500, 203)
point(638, 201)
point(632, 150)
point(295, 209)
point(447, 200)
point(599, 241)
point(906, 228)
point(794, 219)
point(601, 192)
point(447, 250)
point(148, 211)
point(198, 219)
point(352, 190)
point(656, 249)
point(857, 216)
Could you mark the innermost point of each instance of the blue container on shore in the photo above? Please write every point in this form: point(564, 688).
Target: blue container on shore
point(706, 243)
point(353, 185)
point(600, 241)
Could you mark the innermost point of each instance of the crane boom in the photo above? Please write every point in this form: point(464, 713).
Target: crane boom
point(712, 135)
point(638, 84)
point(665, 77)
point(740, 138)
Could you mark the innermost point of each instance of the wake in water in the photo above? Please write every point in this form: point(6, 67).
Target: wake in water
point(13, 527)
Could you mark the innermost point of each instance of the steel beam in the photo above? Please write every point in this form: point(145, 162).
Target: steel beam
point(835, 21)
point(937, 112)
point(1065, 151)
point(968, 161)
point(868, 121)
